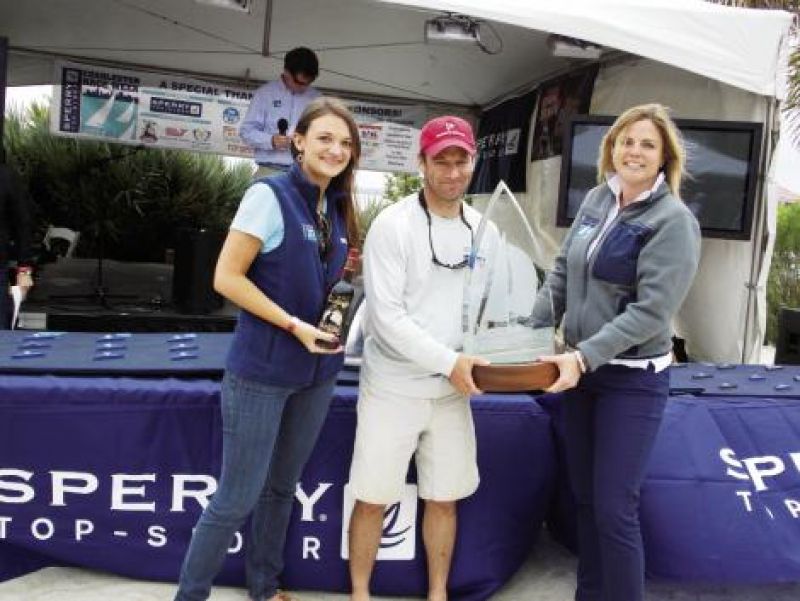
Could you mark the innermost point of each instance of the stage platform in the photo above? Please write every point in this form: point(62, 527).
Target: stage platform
point(138, 297)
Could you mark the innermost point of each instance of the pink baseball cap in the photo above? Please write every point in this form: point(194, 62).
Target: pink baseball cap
point(444, 132)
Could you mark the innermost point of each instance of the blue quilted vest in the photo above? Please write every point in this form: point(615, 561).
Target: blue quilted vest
point(294, 277)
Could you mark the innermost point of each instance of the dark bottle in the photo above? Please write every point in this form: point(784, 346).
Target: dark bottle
point(336, 316)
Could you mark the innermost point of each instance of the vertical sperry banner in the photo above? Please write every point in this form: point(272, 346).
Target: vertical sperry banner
point(502, 145)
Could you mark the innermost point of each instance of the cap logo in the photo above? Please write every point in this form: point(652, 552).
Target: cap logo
point(450, 129)
point(444, 131)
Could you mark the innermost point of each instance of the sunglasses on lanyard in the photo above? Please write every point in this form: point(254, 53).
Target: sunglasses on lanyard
point(461, 264)
point(323, 235)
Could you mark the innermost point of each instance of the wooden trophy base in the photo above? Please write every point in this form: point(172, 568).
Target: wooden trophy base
point(515, 377)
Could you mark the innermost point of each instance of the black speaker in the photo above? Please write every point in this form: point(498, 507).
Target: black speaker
point(787, 348)
point(196, 253)
point(146, 322)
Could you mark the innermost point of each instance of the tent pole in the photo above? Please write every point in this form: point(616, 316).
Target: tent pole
point(3, 80)
point(760, 240)
point(267, 29)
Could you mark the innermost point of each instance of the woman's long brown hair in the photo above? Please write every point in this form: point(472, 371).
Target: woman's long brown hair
point(345, 181)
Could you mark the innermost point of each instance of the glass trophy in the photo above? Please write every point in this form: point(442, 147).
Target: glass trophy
point(507, 315)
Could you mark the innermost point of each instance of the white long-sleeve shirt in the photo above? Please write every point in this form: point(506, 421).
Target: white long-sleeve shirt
point(413, 319)
point(271, 102)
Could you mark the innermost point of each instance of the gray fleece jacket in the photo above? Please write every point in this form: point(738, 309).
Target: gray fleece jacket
point(620, 303)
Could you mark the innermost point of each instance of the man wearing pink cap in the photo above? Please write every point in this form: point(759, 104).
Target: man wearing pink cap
point(415, 385)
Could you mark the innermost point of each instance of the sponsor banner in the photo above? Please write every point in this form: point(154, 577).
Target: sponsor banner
point(157, 110)
point(137, 107)
point(502, 140)
point(721, 499)
point(721, 502)
point(389, 135)
point(112, 474)
point(560, 99)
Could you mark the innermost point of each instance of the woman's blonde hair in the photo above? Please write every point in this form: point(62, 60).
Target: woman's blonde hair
point(674, 152)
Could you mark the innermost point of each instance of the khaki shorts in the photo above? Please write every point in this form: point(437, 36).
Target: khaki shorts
point(392, 429)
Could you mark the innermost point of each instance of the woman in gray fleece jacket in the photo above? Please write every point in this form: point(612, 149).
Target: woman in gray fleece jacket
point(624, 269)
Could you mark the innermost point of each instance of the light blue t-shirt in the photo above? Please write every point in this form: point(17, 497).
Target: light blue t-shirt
point(259, 215)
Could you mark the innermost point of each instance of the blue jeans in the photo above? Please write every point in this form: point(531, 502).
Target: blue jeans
point(611, 420)
point(268, 433)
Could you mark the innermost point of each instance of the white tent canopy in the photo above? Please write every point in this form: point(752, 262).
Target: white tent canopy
point(377, 46)
point(735, 46)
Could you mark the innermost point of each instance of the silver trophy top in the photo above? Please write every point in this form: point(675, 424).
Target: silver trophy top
point(498, 316)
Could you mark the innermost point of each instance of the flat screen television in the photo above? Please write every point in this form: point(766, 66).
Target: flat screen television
point(722, 166)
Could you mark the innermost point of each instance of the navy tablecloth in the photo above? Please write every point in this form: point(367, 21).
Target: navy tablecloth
point(721, 499)
point(108, 473)
point(81, 353)
point(203, 355)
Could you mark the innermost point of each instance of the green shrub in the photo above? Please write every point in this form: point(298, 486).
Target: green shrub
point(783, 286)
point(395, 187)
point(399, 185)
point(133, 198)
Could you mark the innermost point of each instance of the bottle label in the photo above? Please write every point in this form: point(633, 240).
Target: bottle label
point(333, 317)
point(336, 313)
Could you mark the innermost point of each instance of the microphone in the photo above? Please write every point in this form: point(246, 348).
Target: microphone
point(283, 126)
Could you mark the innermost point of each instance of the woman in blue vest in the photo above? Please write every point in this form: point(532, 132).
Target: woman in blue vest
point(286, 247)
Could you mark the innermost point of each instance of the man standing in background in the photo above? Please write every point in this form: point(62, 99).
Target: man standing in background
point(275, 108)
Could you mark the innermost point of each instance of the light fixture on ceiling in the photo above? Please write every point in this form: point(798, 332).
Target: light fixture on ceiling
point(452, 28)
point(566, 47)
point(240, 5)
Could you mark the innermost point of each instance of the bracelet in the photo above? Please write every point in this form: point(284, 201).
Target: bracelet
point(581, 362)
point(293, 321)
